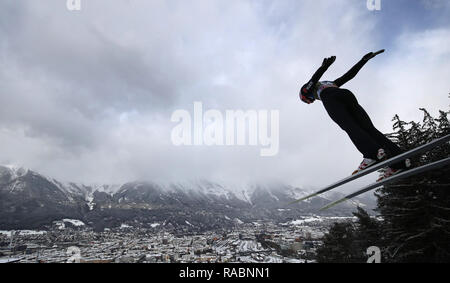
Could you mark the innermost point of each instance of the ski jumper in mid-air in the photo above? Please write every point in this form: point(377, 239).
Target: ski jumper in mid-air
point(344, 109)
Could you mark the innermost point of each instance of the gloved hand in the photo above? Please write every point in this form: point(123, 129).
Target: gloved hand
point(370, 55)
point(327, 62)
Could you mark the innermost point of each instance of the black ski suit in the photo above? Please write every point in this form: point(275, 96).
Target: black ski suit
point(344, 109)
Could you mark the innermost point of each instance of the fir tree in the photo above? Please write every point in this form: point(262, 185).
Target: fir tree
point(414, 223)
point(338, 245)
point(367, 233)
point(416, 210)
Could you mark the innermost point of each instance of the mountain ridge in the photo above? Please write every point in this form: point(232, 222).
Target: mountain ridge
point(31, 200)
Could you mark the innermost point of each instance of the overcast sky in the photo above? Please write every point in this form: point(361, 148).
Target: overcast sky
point(88, 95)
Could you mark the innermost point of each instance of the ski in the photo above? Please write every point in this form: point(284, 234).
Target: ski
point(435, 165)
point(377, 166)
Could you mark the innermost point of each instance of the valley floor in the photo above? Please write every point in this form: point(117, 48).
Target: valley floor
point(257, 242)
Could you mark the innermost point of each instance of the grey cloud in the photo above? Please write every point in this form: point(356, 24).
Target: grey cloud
point(87, 96)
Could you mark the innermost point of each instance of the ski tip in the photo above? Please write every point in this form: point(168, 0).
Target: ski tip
point(303, 198)
point(294, 202)
point(328, 206)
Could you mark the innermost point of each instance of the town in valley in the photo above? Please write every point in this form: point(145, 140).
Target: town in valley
point(70, 240)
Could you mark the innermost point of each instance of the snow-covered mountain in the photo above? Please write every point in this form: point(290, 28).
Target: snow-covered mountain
point(31, 200)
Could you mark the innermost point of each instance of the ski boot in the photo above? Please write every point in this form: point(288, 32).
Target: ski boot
point(389, 171)
point(367, 162)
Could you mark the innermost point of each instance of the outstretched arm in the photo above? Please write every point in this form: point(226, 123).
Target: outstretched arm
point(327, 62)
point(355, 69)
point(307, 89)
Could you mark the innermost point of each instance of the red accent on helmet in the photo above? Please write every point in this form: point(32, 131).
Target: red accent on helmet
point(305, 99)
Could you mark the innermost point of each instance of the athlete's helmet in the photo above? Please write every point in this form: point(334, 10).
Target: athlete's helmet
point(306, 93)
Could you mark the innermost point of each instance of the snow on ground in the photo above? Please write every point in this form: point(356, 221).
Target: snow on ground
point(9, 259)
point(154, 225)
point(31, 232)
point(214, 190)
point(313, 219)
point(273, 259)
point(341, 218)
point(297, 193)
point(273, 196)
point(15, 171)
point(245, 196)
point(7, 233)
point(246, 246)
point(74, 222)
point(307, 220)
point(60, 225)
point(293, 260)
point(283, 209)
point(240, 191)
point(108, 189)
point(22, 232)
